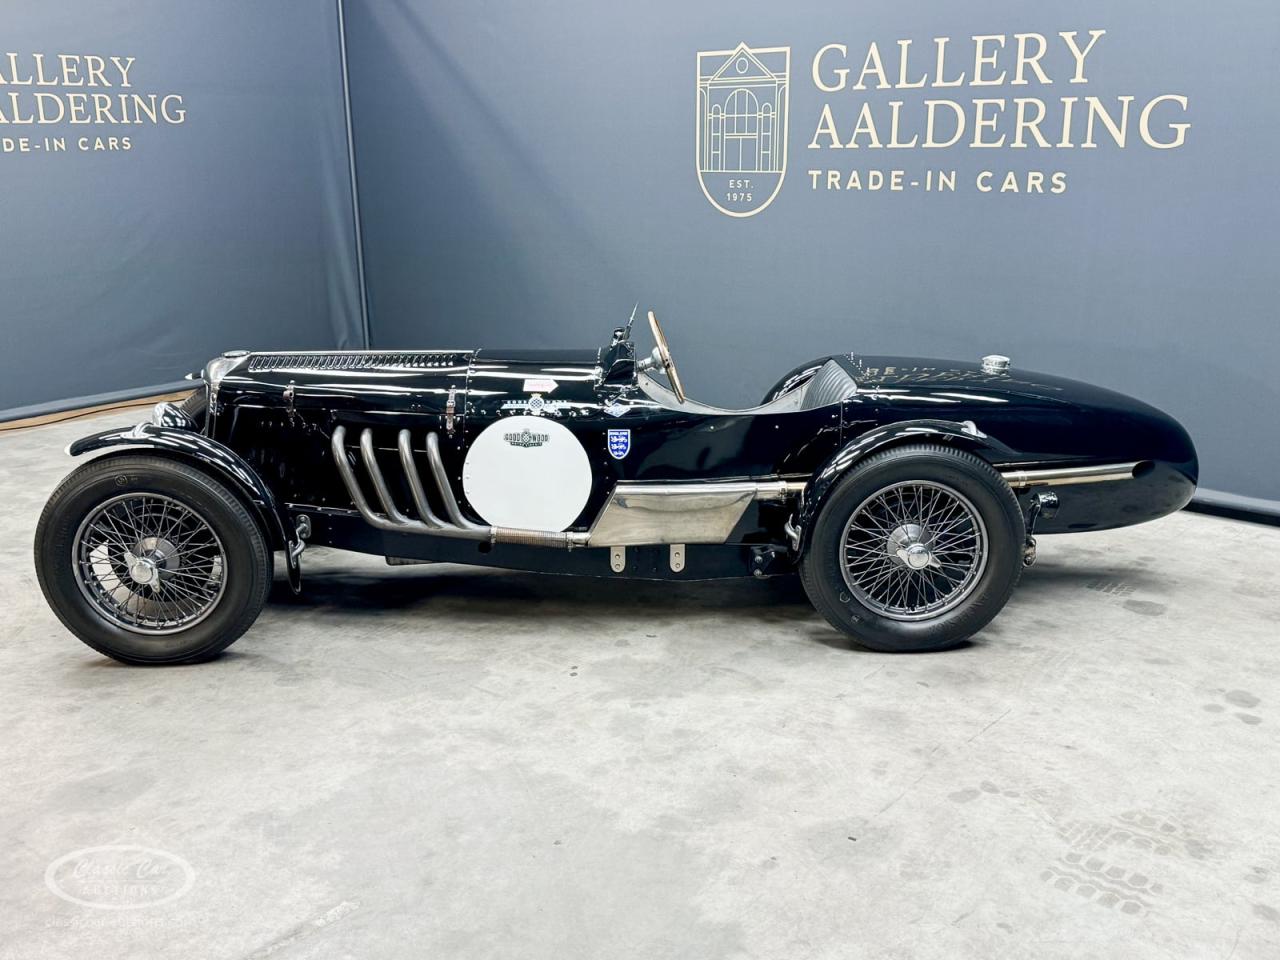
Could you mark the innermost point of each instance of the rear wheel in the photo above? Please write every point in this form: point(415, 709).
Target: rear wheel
point(916, 549)
point(151, 561)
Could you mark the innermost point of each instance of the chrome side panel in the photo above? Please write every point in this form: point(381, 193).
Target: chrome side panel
point(663, 513)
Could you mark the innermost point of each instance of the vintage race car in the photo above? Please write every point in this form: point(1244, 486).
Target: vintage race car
point(905, 492)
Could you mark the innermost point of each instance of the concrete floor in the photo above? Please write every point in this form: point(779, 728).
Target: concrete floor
point(462, 763)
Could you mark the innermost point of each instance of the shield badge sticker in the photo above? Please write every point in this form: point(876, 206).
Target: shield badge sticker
point(741, 131)
point(619, 443)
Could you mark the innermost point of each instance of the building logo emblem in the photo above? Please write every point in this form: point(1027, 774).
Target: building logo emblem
point(619, 443)
point(741, 136)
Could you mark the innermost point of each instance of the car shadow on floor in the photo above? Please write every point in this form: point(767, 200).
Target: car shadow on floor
point(494, 594)
point(499, 590)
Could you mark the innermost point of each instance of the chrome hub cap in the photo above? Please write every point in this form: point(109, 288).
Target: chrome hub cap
point(913, 551)
point(143, 570)
point(149, 563)
point(916, 556)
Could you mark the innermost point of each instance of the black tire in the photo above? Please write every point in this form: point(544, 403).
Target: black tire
point(822, 567)
point(244, 570)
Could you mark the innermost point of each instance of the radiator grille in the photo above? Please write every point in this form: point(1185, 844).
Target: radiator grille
point(427, 360)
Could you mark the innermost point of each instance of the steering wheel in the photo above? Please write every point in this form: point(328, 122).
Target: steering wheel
point(664, 354)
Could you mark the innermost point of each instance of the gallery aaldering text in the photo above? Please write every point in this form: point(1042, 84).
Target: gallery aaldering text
point(995, 60)
point(43, 89)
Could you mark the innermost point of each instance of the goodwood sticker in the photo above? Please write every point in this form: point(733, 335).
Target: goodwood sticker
point(526, 438)
point(1017, 95)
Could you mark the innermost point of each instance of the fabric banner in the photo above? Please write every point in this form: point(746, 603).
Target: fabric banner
point(1086, 187)
point(176, 183)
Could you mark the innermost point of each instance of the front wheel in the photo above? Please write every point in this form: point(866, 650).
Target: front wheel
point(916, 549)
point(151, 561)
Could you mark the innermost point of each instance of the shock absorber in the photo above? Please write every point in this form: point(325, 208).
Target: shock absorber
point(1044, 504)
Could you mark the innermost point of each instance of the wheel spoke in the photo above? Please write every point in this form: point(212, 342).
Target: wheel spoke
point(914, 550)
point(150, 563)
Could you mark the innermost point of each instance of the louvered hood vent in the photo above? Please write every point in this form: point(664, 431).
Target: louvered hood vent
point(428, 360)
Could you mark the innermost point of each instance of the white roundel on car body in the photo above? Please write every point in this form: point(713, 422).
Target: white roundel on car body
point(527, 472)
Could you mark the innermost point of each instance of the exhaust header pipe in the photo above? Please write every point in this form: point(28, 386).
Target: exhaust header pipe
point(457, 526)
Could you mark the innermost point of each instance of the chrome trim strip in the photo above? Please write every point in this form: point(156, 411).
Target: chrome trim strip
point(358, 353)
point(1062, 476)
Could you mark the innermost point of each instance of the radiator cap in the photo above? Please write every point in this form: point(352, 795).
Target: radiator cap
point(994, 363)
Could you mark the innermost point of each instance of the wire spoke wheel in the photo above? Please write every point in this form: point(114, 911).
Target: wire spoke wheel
point(914, 550)
point(149, 563)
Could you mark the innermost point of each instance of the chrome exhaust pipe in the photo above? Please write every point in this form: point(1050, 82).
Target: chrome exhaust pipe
point(442, 483)
point(337, 446)
point(539, 538)
point(416, 490)
point(380, 485)
point(392, 520)
point(1061, 476)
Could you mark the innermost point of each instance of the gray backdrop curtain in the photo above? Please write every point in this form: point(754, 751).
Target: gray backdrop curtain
point(233, 228)
point(526, 171)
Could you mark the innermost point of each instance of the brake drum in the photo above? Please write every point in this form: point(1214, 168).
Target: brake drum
point(527, 472)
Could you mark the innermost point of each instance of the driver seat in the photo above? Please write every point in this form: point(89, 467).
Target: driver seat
point(831, 384)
